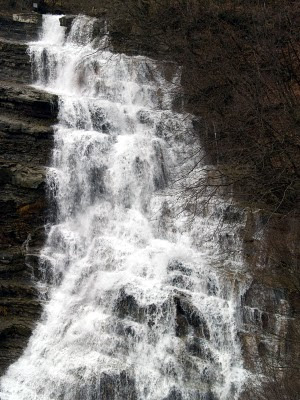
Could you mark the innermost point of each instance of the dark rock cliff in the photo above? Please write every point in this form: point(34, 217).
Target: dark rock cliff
point(271, 305)
point(26, 137)
point(270, 326)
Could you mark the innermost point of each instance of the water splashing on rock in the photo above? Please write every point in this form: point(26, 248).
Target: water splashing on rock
point(135, 309)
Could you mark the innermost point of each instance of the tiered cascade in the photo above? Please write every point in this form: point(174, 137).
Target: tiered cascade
point(135, 307)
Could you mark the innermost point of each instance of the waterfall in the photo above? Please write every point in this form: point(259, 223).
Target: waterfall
point(135, 307)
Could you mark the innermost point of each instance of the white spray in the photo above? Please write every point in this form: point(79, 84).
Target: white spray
point(136, 309)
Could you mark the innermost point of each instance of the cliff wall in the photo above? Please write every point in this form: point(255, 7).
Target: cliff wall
point(26, 138)
point(271, 305)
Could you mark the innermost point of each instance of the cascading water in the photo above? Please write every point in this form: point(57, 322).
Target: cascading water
point(135, 307)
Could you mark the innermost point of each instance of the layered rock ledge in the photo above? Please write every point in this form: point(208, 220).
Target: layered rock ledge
point(26, 141)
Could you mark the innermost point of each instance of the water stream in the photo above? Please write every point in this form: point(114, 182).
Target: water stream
point(134, 306)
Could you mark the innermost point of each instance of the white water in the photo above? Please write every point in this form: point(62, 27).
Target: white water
point(120, 262)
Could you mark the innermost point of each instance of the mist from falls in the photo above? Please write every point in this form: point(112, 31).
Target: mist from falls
point(134, 306)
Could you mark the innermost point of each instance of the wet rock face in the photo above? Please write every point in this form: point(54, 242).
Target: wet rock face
point(20, 27)
point(271, 304)
point(98, 28)
point(67, 21)
point(187, 317)
point(267, 317)
point(126, 306)
point(117, 387)
point(27, 101)
point(15, 31)
point(174, 395)
point(26, 141)
point(14, 61)
point(109, 387)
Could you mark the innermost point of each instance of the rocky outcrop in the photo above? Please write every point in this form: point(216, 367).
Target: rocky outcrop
point(14, 61)
point(26, 140)
point(271, 305)
point(99, 26)
point(27, 101)
point(15, 31)
point(20, 27)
